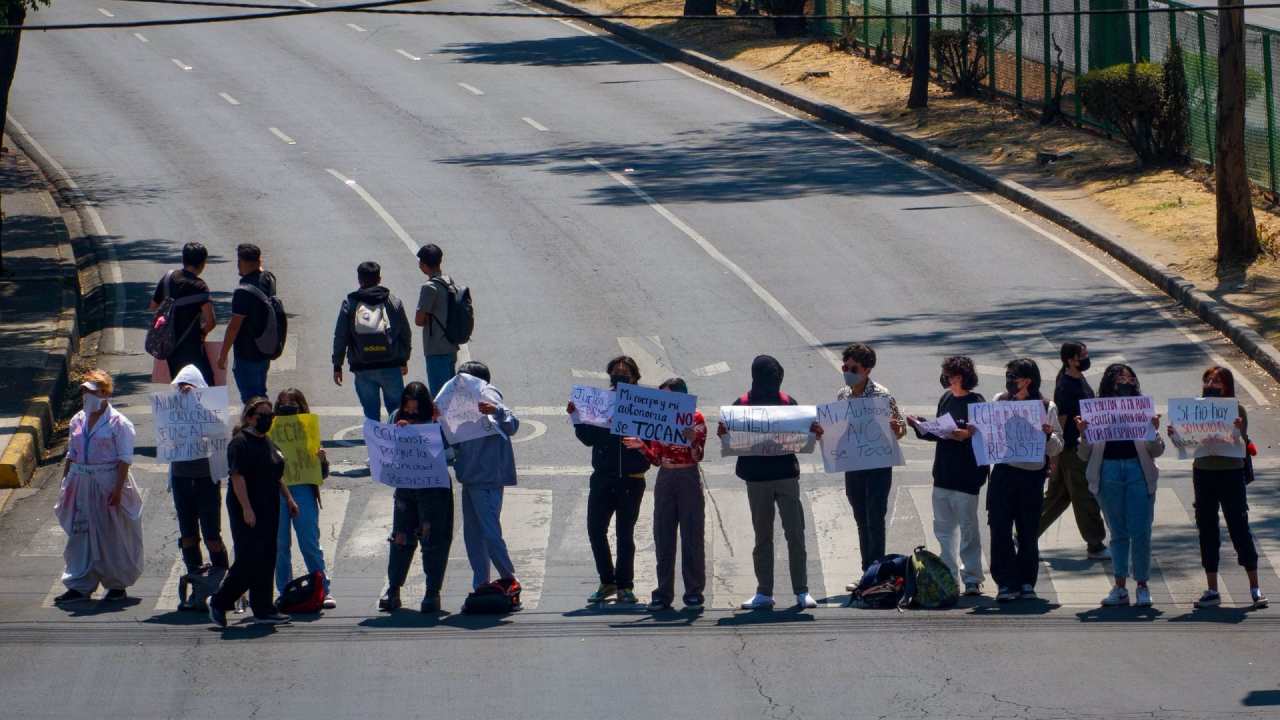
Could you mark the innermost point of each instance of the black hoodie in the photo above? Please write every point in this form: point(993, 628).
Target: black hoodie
point(401, 333)
point(766, 389)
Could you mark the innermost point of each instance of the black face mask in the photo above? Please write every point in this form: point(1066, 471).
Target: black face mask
point(618, 379)
point(944, 381)
point(1212, 392)
point(1126, 389)
point(262, 423)
point(1085, 364)
point(1011, 386)
point(287, 409)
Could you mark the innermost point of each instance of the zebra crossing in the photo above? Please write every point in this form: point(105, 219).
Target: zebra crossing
point(557, 576)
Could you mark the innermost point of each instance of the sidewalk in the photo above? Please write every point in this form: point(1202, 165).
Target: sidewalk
point(37, 318)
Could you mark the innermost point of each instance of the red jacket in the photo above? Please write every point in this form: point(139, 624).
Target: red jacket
point(658, 452)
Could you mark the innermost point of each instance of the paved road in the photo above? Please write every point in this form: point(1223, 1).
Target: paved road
point(596, 202)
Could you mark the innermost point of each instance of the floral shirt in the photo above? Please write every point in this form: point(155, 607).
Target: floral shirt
point(875, 389)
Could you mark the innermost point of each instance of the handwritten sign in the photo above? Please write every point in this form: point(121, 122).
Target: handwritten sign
point(767, 429)
point(407, 457)
point(856, 435)
point(1205, 426)
point(192, 425)
point(298, 437)
point(939, 428)
point(593, 406)
point(459, 405)
point(1118, 418)
point(1008, 431)
point(651, 414)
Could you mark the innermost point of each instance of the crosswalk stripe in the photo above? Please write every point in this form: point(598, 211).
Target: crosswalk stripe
point(369, 539)
point(1076, 580)
point(527, 529)
point(837, 534)
point(1184, 579)
point(646, 567)
point(733, 578)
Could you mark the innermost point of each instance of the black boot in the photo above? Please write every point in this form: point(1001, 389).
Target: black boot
point(220, 559)
point(390, 600)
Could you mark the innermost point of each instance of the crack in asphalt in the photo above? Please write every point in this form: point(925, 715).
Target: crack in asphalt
point(773, 707)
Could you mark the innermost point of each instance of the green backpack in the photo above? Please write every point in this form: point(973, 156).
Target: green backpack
point(930, 583)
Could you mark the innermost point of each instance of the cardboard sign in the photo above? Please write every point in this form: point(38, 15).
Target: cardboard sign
point(192, 426)
point(593, 406)
point(856, 435)
point(459, 406)
point(1008, 431)
point(1206, 426)
point(298, 437)
point(212, 348)
point(767, 429)
point(407, 457)
point(651, 414)
point(1118, 418)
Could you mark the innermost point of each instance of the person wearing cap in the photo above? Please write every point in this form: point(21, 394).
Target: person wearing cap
point(197, 496)
point(433, 316)
point(99, 506)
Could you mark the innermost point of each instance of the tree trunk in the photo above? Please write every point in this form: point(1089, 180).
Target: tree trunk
point(920, 44)
point(788, 27)
point(699, 7)
point(1237, 231)
point(15, 14)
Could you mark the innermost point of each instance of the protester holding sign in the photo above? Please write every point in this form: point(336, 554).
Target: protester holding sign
point(297, 433)
point(957, 477)
point(772, 481)
point(423, 516)
point(1219, 482)
point(197, 495)
point(1016, 492)
point(617, 488)
point(1122, 474)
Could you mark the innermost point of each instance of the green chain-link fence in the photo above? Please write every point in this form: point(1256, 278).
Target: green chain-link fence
point(1026, 60)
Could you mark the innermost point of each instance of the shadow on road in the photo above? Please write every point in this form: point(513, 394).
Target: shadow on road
point(577, 50)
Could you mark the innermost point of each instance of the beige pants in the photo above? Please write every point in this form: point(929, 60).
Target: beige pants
point(762, 497)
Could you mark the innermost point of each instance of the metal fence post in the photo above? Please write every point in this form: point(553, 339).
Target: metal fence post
point(991, 45)
point(1271, 111)
point(1204, 90)
point(937, 21)
point(964, 14)
point(1017, 50)
point(866, 25)
point(1048, 61)
point(1142, 32)
point(1075, 80)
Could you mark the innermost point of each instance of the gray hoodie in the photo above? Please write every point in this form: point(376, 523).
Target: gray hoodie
point(489, 461)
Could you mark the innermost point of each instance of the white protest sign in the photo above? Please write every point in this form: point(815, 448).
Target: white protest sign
point(592, 406)
point(1008, 431)
point(856, 435)
point(1118, 418)
point(939, 428)
point(651, 414)
point(459, 406)
point(1205, 426)
point(406, 457)
point(192, 425)
point(767, 429)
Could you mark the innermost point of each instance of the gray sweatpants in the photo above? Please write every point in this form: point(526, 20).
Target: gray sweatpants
point(762, 496)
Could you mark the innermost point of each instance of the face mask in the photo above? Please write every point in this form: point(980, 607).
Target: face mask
point(944, 381)
point(1212, 392)
point(618, 379)
point(1011, 386)
point(262, 423)
point(92, 403)
point(1085, 365)
point(1126, 389)
point(287, 409)
point(852, 378)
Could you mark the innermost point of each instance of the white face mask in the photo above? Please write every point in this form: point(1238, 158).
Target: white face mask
point(93, 403)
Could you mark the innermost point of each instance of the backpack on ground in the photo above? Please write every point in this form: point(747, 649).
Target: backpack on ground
point(271, 341)
point(372, 330)
point(493, 599)
point(303, 595)
point(163, 336)
point(883, 583)
point(195, 589)
point(460, 317)
point(930, 583)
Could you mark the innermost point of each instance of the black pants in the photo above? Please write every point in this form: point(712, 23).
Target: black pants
point(678, 505)
point(254, 568)
point(611, 495)
point(1014, 499)
point(197, 501)
point(421, 517)
point(868, 493)
point(1225, 489)
point(191, 353)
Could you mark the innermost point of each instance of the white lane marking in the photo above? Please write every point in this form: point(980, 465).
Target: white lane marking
point(181, 65)
point(464, 354)
point(407, 54)
point(377, 208)
point(47, 542)
point(539, 429)
point(1184, 580)
point(79, 200)
point(1076, 580)
point(356, 27)
point(471, 88)
point(732, 576)
point(650, 356)
point(589, 374)
point(284, 138)
point(712, 370)
point(535, 124)
point(814, 343)
point(369, 537)
point(308, 3)
point(106, 12)
point(527, 531)
point(288, 360)
point(837, 534)
point(141, 37)
point(228, 98)
point(1145, 297)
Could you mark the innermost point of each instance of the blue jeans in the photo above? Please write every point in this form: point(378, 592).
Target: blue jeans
point(1129, 509)
point(482, 533)
point(440, 370)
point(377, 389)
point(251, 378)
point(307, 527)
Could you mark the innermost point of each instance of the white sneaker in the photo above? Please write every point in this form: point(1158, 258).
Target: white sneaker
point(759, 602)
point(805, 601)
point(1006, 595)
point(1144, 597)
point(1209, 599)
point(329, 603)
point(851, 587)
point(1259, 600)
point(1029, 591)
point(1118, 597)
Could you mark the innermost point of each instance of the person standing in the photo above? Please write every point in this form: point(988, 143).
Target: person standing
point(678, 507)
point(253, 507)
point(773, 482)
point(1067, 484)
point(433, 318)
point(1016, 492)
point(99, 506)
point(193, 312)
point(1219, 482)
point(616, 490)
point(197, 496)
point(421, 517)
point(957, 476)
point(373, 334)
point(306, 524)
point(1123, 476)
point(249, 318)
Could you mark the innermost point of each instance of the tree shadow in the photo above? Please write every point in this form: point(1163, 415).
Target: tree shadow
point(574, 50)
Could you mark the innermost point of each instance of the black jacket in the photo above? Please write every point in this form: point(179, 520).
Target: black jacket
point(608, 456)
point(344, 341)
point(954, 465)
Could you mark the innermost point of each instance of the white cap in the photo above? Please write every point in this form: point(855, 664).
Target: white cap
point(89, 385)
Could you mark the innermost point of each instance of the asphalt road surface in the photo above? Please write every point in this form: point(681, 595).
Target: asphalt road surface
point(596, 202)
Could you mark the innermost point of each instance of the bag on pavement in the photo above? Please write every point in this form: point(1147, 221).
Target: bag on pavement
point(883, 583)
point(162, 334)
point(271, 341)
point(195, 589)
point(460, 318)
point(303, 595)
point(930, 583)
point(493, 599)
point(371, 333)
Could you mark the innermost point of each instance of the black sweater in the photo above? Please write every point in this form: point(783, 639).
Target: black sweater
point(608, 456)
point(954, 466)
point(752, 468)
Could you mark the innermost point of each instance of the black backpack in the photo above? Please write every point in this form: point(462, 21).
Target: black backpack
point(493, 599)
point(460, 319)
point(271, 341)
point(883, 584)
point(162, 335)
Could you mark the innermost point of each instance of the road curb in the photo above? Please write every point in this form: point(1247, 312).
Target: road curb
point(1177, 287)
point(26, 447)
